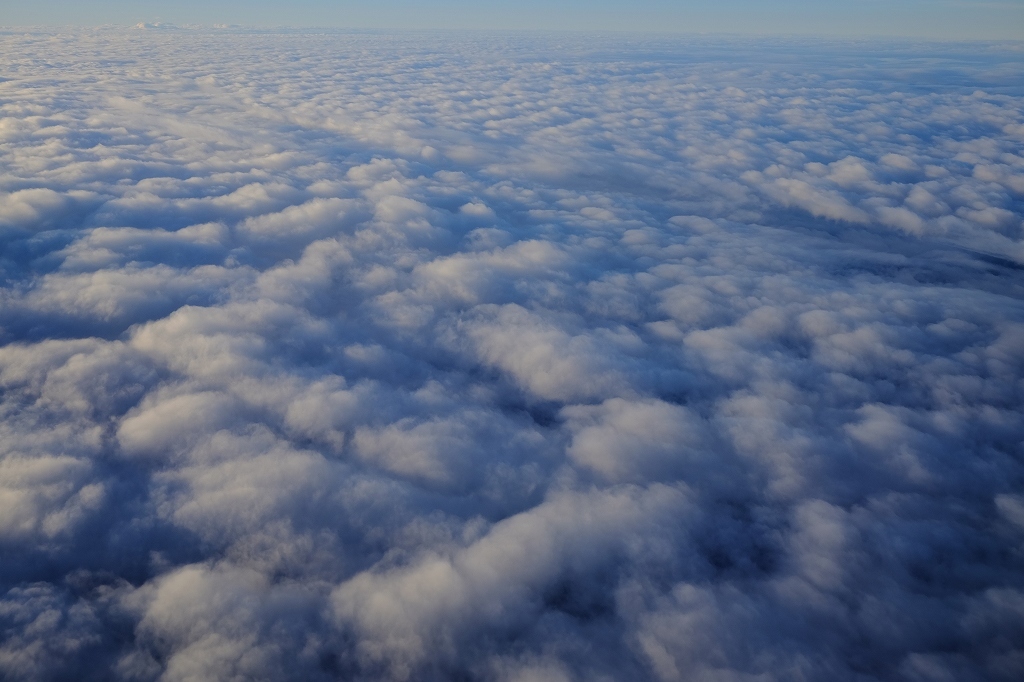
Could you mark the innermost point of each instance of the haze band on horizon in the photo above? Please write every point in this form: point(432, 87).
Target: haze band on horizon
point(958, 20)
point(512, 357)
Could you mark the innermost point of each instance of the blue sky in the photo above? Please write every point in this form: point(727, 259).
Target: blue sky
point(956, 19)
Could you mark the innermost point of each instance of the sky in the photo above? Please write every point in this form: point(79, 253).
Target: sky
point(936, 19)
point(510, 358)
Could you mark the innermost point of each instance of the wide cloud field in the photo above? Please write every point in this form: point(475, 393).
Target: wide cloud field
point(517, 358)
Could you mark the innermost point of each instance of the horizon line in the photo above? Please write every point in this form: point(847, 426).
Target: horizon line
point(164, 26)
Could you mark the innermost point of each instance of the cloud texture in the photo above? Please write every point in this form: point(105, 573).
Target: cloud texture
point(550, 358)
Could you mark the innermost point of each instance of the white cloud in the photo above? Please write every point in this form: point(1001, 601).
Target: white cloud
point(355, 356)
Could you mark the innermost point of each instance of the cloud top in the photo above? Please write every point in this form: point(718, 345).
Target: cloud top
point(393, 357)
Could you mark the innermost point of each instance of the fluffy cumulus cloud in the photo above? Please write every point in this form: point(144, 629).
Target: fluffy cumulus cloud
point(509, 358)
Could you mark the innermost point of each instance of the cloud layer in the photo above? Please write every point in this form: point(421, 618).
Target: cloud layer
point(550, 358)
